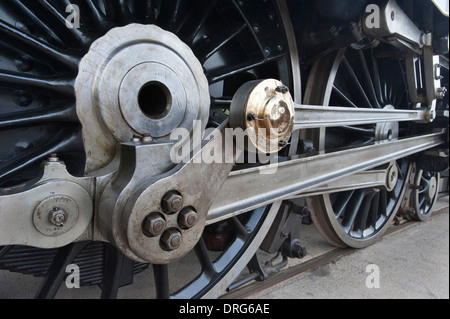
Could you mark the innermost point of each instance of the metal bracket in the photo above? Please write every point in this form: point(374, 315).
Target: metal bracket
point(396, 28)
point(138, 192)
point(51, 212)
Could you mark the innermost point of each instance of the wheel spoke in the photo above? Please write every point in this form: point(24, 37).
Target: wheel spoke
point(383, 203)
point(161, 275)
point(38, 117)
point(377, 80)
point(37, 22)
point(116, 265)
point(343, 97)
point(97, 16)
point(171, 14)
point(239, 228)
point(341, 203)
point(357, 83)
point(47, 50)
point(205, 51)
point(374, 212)
point(202, 254)
point(225, 72)
point(192, 26)
point(60, 19)
point(118, 11)
point(51, 84)
point(63, 141)
point(369, 80)
point(352, 210)
point(363, 216)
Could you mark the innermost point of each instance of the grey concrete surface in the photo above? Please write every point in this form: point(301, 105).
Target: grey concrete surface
point(412, 263)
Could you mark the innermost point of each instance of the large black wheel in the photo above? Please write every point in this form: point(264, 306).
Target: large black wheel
point(358, 78)
point(235, 41)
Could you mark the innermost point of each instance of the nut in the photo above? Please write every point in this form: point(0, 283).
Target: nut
point(188, 218)
point(58, 217)
point(171, 239)
point(154, 225)
point(172, 202)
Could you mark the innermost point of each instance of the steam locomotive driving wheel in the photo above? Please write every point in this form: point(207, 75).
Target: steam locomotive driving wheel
point(131, 69)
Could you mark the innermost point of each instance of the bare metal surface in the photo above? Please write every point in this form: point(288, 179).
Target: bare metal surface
point(295, 176)
point(56, 191)
point(115, 71)
point(308, 116)
point(140, 189)
point(397, 28)
point(368, 179)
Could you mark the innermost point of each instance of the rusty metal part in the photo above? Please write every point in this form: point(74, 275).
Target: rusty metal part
point(172, 202)
point(188, 218)
point(171, 239)
point(154, 225)
point(137, 80)
point(265, 110)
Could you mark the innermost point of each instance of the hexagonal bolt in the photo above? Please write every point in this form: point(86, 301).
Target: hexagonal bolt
point(298, 251)
point(187, 218)
point(171, 239)
point(282, 89)
point(154, 225)
point(172, 202)
point(58, 217)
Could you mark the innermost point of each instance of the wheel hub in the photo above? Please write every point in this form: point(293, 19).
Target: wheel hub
point(387, 130)
point(265, 110)
point(137, 80)
point(432, 188)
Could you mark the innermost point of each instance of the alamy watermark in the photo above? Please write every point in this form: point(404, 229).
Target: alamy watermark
point(228, 147)
point(73, 278)
point(373, 279)
point(74, 17)
point(373, 18)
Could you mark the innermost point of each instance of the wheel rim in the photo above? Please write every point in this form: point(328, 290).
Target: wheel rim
point(37, 75)
point(357, 218)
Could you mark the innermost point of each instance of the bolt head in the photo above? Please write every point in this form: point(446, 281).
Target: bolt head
point(282, 89)
point(298, 251)
point(172, 202)
point(58, 217)
point(171, 239)
point(188, 218)
point(154, 225)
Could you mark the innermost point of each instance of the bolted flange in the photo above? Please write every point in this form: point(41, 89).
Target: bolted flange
point(56, 215)
point(265, 111)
